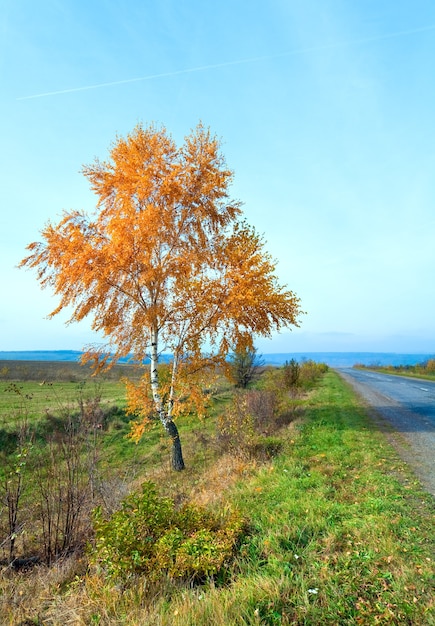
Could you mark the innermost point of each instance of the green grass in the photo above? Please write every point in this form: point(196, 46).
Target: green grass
point(340, 533)
point(35, 399)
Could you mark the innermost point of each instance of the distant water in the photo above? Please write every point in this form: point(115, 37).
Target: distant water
point(41, 355)
point(333, 359)
point(348, 359)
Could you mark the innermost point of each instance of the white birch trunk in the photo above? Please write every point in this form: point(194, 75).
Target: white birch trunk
point(165, 413)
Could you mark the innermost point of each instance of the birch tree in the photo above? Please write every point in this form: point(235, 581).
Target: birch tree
point(165, 263)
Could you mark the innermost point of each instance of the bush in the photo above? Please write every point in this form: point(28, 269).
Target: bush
point(310, 372)
point(244, 429)
point(263, 406)
point(244, 367)
point(148, 535)
point(430, 366)
point(236, 427)
point(291, 374)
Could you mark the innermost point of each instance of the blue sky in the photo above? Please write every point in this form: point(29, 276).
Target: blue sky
point(326, 111)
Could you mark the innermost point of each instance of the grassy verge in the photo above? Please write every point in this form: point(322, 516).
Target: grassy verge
point(406, 373)
point(340, 533)
point(424, 372)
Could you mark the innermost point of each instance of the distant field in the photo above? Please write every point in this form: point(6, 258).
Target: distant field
point(66, 371)
point(38, 388)
point(37, 400)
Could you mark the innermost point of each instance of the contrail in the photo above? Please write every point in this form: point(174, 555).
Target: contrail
point(212, 66)
point(149, 77)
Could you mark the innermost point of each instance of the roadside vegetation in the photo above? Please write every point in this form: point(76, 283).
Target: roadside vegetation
point(292, 509)
point(424, 370)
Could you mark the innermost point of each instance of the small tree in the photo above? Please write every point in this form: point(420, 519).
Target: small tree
point(13, 467)
point(11, 489)
point(244, 367)
point(165, 264)
point(291, 375)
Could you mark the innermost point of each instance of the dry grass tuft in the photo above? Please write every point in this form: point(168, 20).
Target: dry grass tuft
point(220, 477)
point(18, 591)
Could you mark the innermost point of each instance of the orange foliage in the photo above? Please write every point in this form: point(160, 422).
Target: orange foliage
point(190, 393)
point(165, 262)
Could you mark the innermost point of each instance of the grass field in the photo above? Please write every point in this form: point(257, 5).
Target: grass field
point(340, 532)
point(40, 388)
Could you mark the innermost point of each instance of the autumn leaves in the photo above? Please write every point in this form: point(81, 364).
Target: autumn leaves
point(166, 262)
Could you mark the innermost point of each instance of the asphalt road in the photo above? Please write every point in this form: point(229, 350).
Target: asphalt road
point(408, 405)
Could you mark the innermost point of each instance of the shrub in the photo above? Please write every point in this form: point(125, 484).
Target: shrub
point(245, 428)
point(236, 427)
point(430, 366)
point(291, 374)
point(310, 372)
point(148, 535)
point(244, 367)
point(263, 406)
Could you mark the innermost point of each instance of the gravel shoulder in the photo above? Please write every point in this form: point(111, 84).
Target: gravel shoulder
point(415, 447)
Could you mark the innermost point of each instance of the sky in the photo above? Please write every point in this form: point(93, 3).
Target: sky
point(326, 112)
